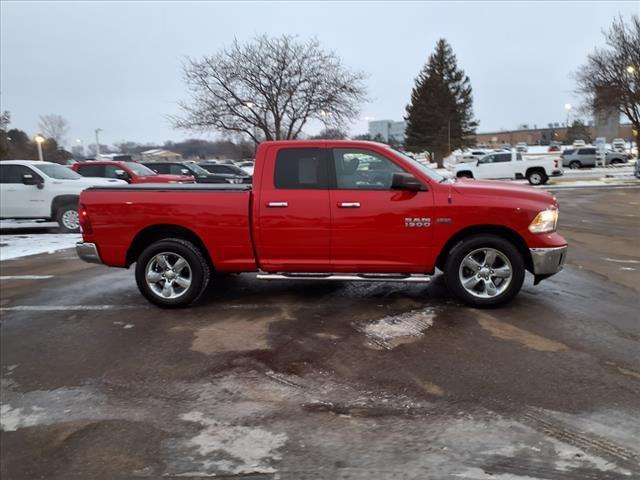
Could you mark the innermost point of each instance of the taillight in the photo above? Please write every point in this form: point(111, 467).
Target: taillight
point(85, 222)
point(555, 163)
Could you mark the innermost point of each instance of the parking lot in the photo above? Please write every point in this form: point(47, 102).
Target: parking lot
point(327, 380)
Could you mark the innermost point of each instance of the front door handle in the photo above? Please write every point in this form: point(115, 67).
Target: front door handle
point(349, 205)
point(277, 204)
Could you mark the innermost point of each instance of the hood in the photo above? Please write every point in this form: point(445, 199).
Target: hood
point(496, 188)
point(162, 178)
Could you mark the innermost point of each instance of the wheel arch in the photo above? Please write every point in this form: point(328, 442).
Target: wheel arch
point(535, 169)
point(464, 173)
point(501, 231)
point(154, 233)
point(61, 200)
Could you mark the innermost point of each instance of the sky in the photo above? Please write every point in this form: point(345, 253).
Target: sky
point(118, 65)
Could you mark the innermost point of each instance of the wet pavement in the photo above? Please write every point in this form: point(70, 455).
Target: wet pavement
point(298, 380)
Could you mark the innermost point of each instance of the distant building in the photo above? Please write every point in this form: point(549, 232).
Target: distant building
point(388, 129)
point(553, 133)
point(160, 155)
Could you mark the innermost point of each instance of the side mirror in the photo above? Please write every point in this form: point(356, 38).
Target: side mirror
point(478, 163)
point(406, 181)
point(28, 179)
point(122, 175)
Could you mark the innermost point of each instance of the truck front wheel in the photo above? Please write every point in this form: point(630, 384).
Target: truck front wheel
point(68, 218)
point(172, 273)
point(484, 271)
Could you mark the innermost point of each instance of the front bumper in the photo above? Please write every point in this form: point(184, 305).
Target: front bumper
point(547, 261)
point(88, 252)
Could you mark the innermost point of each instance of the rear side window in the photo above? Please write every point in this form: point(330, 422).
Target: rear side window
point(91, 170)
point(301, 168)
point(587, 151)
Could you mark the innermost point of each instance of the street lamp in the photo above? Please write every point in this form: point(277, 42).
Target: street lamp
point(39, 140)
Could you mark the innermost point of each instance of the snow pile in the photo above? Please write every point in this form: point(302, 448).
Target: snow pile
point(15, 224)
point(16, 246)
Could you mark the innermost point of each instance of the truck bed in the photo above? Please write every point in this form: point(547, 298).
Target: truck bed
point(216, 215)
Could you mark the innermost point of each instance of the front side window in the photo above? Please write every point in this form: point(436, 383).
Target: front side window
point(58, 172)
point(301, 168)
point(14, 173)
point(111, 171)
point(487, 159)
point(358, 169)
point(587, 151)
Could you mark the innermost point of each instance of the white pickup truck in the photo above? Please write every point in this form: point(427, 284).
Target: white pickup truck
point(509, 166)
point(43, 190)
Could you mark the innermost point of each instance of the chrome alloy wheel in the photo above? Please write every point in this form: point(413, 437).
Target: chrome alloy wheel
point(71, 220)
point(168, 275)
point(485, 273)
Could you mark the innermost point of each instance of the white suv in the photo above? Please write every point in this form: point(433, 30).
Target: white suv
point(43, 190)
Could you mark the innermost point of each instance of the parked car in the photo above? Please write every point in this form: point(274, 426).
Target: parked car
point(130, 172)
point(619, 145)
point(554, 148)
point(199, 174)
point(43, 190)
point(521, 147)
point(231, 172)
point(247, 167)
point(505, 165)
point(327, 210)
point(575, 158)
point(579, 143)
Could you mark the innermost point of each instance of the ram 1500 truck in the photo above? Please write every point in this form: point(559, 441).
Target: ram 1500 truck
point(327, 210)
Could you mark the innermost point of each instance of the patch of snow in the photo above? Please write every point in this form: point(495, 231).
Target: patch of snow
point(11, 419)
point(16, 246)
point(616, 260)
point(250, 448)
point(389, 332)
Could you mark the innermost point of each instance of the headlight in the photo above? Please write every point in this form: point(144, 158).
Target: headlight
point(545, 221)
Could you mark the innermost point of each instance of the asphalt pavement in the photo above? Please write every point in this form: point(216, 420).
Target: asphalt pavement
point(320, 380)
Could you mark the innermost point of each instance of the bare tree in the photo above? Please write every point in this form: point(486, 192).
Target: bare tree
point(611, 76)
point(269, 89)
point(54, 126)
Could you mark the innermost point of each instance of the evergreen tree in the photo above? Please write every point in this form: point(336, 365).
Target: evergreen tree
point(440, 115)
point(578, 131)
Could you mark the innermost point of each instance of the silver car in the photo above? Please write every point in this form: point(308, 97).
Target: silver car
point(575, 158)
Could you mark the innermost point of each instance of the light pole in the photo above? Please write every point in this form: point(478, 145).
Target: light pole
point(39, 139)
point(567, 107)
point(98, 130)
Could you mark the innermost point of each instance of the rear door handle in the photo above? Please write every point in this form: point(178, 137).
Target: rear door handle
point(349, 205)
point(277, 204)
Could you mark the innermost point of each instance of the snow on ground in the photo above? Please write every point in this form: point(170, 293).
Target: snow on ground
point(13, 224)
point(16, 246)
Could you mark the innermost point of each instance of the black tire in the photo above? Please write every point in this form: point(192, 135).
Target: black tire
point(465, 175)
point(537, 177)
point(477, 242)
point(198, 268)
point(67, 218)
point(575, 165)
point(616, 161)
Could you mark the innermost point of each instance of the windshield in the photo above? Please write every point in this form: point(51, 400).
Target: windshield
point(197, 169)
point(139, 170)
point(58, 172)
point(430, 172)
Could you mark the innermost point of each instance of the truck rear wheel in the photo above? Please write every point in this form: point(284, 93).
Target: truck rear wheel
point(537, 177)
point(68, 218)
point(484, 271)
point(172, 273)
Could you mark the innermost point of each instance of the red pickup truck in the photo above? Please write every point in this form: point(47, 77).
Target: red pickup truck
point(326, 210)
point(131, 172)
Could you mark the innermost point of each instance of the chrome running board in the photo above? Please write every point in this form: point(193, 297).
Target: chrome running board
point(347, 277)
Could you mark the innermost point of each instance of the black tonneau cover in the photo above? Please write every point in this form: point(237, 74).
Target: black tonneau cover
point(177, 187)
